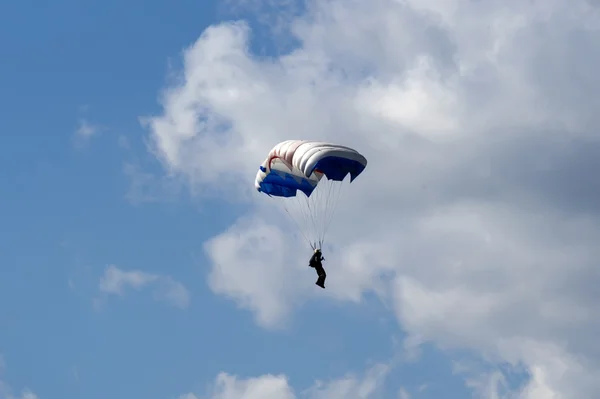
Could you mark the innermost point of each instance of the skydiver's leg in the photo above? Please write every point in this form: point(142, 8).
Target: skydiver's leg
point(322, 275)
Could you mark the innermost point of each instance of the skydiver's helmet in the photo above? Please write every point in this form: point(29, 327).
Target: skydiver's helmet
point(317, 251)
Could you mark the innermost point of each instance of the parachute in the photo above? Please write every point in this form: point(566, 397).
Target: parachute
point(306, 177)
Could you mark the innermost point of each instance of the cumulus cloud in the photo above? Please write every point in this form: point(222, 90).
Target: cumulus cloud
point(249, 258)
point(477, 217)
point(403, 394)
point(6, 392)
point(352, 386)
point(148, 187)
point(86, 130)
point(270, 386)
point(116, 281)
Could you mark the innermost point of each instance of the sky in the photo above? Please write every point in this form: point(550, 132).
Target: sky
point(138, 261)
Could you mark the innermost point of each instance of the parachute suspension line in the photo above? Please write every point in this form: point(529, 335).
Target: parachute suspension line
point(298, 226)
point(308, 216)
point(313, 215)
point(333, 204)
point(301, 212)
point(304, 205)
point(321, 208)
point(315, 212)
point(333, 196)
point(322, 205)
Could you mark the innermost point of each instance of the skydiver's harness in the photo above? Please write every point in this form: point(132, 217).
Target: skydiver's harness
point(314, 260)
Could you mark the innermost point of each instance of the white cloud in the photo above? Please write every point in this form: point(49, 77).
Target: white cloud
point(115, 281)
point(230, 387)
point(148, 187)
point(249, 260)
point(477, 217)
point(173, 292)
point(6, 392)
point(266, 386)
point(84, 132)
point(25, 394)
point(270, 386)
point(403, 394)
point(86, 129)
point(352, 387)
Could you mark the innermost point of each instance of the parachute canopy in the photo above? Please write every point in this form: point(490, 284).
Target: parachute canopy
point(295, 165)
point(311, 173)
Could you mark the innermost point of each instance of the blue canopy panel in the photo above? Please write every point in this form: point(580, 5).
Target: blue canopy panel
point(281, 184)
point(337, 168)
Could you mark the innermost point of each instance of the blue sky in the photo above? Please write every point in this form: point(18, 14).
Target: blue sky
point(68, 216)
point(82, 191)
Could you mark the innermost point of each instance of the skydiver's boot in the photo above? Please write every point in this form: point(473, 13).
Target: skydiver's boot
point(321, 282)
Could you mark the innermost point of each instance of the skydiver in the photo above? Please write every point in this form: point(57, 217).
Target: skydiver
point(315, 262)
